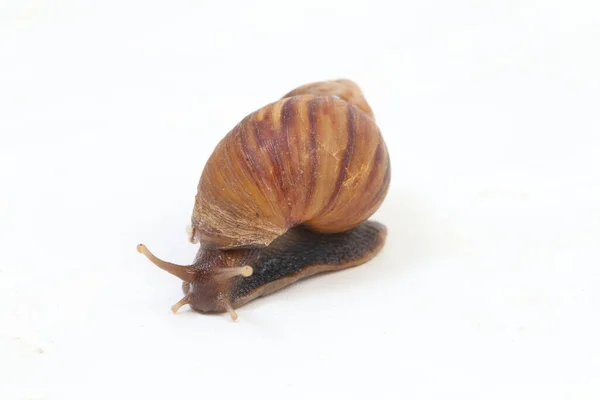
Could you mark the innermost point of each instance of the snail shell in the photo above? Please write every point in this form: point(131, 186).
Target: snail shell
point(313, 160)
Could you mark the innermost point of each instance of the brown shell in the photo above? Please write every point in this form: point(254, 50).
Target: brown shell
point(313, 160)
point(345, 89)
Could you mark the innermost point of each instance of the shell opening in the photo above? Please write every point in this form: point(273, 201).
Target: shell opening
point(190, 231)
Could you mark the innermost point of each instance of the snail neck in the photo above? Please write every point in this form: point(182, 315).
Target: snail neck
point(216, 272)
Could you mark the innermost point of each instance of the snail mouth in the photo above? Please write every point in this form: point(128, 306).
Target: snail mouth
point(187, 299)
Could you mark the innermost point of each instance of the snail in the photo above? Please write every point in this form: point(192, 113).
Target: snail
point(285, 195)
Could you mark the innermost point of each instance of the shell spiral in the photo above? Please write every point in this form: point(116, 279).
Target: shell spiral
point(305, 159)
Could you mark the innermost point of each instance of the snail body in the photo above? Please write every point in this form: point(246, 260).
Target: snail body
point(286, 194)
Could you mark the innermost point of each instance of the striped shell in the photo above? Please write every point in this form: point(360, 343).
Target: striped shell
point(306, 159)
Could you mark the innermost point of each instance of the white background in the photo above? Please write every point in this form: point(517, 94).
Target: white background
point(488, 287)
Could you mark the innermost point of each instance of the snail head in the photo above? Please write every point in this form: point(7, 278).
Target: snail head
point(206, 282)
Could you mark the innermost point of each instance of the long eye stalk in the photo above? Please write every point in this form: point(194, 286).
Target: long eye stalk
point(226, 273)
point(183, 272)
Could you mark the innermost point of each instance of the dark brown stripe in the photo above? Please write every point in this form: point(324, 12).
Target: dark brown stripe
point(348, 152)
point(232, 151)
point(269, 142)
point(278, 168)
point(388, 176)
point(246, 153)
point(258, 132)
point(375, 188)
point(286, 120)
point(375, 167)
point(312, 134)
point(252, 163)
point(384, 186)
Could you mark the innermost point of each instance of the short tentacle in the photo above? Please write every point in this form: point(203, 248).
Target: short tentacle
point(230, 309)
point(175, 307)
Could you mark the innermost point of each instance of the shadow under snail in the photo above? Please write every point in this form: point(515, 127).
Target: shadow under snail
point(286, 194)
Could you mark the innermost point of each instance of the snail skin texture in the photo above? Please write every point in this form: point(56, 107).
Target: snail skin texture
point(286, 194)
